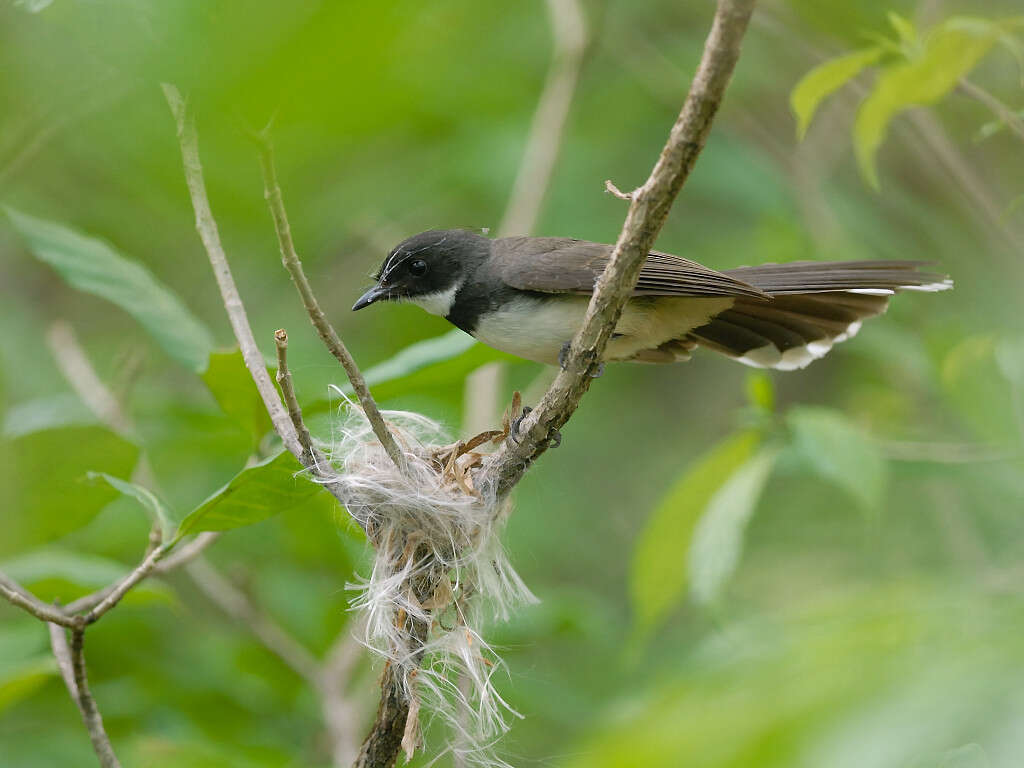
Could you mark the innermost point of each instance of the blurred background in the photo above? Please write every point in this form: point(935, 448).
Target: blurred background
point(818, 568)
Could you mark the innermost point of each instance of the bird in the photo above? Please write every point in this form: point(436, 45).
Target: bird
point(527, 296)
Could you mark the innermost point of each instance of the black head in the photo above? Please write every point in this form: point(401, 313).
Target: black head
point(428, 269)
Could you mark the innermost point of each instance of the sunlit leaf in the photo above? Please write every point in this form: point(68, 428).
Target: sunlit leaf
point(904, 28)
point(43, 477)
point(950, 51)
point(147, 499)
point(761, 391)
point(840, 452)
point(231, 385)
point(92, 266)
point(254, 494)
point(718, 538)
point(52, 574)
point(825, 79)
point(659, 569)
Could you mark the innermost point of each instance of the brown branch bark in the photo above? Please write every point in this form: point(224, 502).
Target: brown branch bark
point(330, 338)
point(649, 207)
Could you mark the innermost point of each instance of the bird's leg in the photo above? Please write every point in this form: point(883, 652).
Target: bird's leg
point(563, 354)
point(556, 437)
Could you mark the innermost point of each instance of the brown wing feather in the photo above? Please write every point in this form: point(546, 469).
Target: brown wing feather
point(561, 265)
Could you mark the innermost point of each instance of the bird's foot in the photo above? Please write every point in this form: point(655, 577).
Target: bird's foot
point(563, 355)
point(512, 423)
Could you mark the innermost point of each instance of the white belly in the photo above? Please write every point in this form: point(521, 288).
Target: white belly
point(536, 329)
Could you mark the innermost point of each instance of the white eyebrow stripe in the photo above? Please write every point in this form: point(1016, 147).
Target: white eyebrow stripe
point(390, 265)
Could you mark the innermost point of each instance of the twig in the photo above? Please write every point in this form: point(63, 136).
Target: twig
point(648, 209)
point(207, 228)
point(569, 44)
point(87, 704)
point(121, 588)
point(15, 594)
point(339, 712)
point(1012, 120)
point(62, 652)
point(284, 381)
point(186, 552)
point(330, 338)
point(235, 604)
point(80, 374)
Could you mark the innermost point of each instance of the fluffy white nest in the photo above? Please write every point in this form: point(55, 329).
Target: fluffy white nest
point(438, 567)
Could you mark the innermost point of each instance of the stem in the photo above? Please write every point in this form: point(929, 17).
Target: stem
point(999, 109)
point(86, 703)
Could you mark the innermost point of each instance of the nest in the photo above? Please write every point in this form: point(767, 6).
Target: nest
point(438, 570)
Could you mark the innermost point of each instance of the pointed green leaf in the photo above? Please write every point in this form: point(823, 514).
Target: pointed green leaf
point(950, 52)
point(904, 28)
point(92, 266)
point(148, 500)
point(43, 487)
point(840, 452)
point(231, 385)
point(659, 568)
point(824, 80)
point(718, 539)
point(254, 494)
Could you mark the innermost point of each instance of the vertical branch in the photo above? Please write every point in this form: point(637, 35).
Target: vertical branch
point(71, 661)
point(207, 228)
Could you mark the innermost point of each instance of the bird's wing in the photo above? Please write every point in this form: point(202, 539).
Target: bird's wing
point(561, 265)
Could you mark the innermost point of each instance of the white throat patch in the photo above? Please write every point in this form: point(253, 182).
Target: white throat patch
point(439, 303)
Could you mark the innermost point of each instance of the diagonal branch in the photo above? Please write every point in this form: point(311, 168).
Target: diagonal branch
point(330, 338)
point(208, 233)
point(649, 207)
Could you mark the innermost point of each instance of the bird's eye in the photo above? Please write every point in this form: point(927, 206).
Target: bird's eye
point(417, 268)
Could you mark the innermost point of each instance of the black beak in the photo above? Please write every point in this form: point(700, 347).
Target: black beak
point(374, 294)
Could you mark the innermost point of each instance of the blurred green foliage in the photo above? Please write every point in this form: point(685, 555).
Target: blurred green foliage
point(812, 568)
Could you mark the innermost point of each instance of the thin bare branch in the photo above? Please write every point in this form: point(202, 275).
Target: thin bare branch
point(1011, 119)
point(87, 704)
point(569, 34)
point(648, 210)
point(341, 714)
point(62, 652)
point(208, 233)
point(121, 588)
point(330, 338)
point(237, 605)
point(186, 552)
point(80, 374)
point(17, 595)
point(284, 381)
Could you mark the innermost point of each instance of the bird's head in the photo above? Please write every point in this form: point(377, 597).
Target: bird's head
point(428, 269)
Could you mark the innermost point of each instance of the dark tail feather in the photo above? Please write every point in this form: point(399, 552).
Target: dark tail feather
point(812, 306)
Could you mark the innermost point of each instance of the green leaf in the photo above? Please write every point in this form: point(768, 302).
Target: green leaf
point(254, 494)
point(977, 380)
point(437, 362)
point(148, 500)
point(718, 538)
point(231, 385)
point(761, 391)
point(21, 680)
point(42, 481)
point(52, 574)
point(92, 266)
point(824, 80)
point(904, 28)
point(45, 412)
point(659, 568)
point(950, 51)
point(840, 452)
